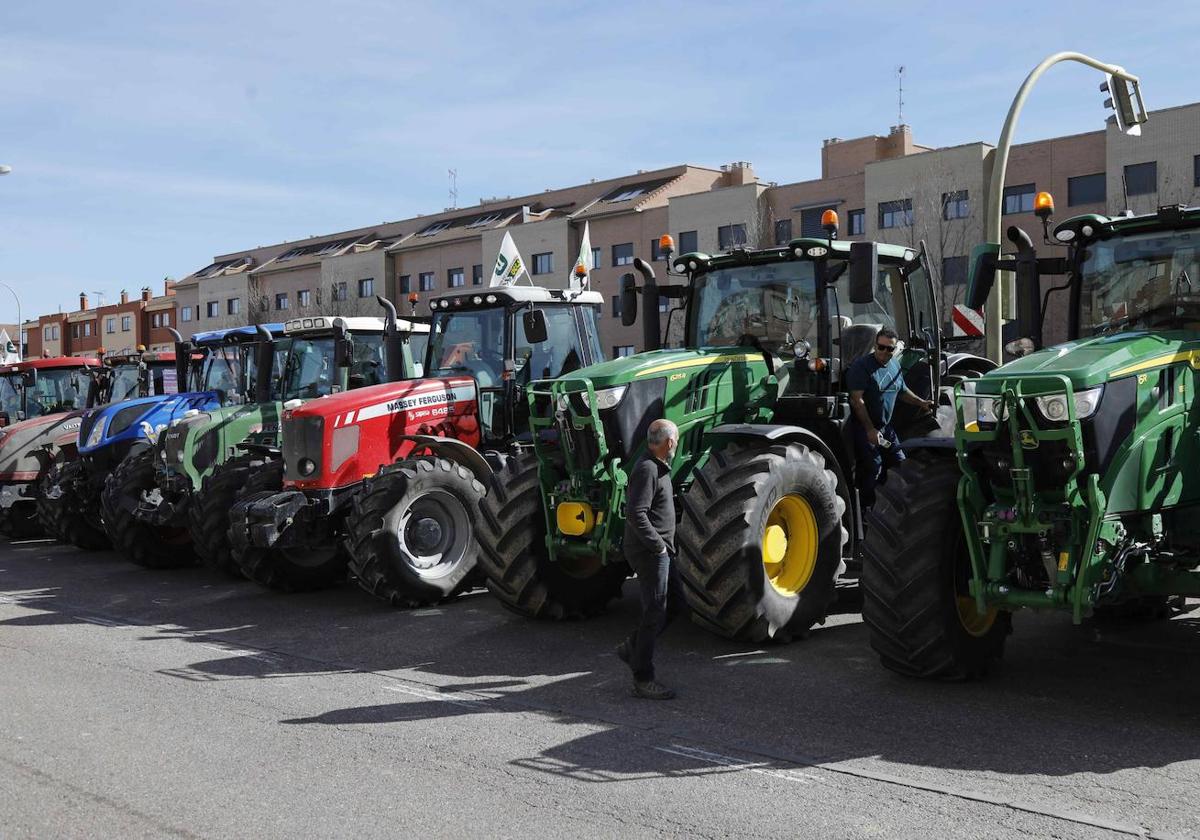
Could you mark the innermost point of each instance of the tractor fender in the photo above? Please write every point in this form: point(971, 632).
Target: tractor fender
point(784, 434)
point(456, 451)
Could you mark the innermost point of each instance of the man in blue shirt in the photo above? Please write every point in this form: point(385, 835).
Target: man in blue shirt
point(875, 382)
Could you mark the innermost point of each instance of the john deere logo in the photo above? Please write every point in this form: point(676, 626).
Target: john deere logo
point(1028, 441)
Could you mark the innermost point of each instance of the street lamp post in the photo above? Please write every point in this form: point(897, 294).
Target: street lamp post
point(4, 170)
point(1125, 92)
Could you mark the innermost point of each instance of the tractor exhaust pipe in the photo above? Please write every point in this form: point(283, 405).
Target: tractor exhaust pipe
point(397, 354)
point(264, 362)
point(183, 359)
point(651, 326)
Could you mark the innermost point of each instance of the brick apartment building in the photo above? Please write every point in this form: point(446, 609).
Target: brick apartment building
point(887, 187)
point(119, 327)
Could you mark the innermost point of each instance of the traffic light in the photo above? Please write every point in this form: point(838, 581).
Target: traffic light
point(1125, 100)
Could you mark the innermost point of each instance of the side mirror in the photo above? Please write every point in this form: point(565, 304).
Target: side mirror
point(864, 271)
point(628, 300)
point(29, 378)
point(343, 344)
point(535, 326)
point(983, 274)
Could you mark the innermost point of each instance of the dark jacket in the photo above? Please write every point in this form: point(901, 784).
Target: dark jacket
point(649, 509)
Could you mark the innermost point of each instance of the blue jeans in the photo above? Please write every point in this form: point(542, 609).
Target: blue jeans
point(662, 601)
point(873, 462)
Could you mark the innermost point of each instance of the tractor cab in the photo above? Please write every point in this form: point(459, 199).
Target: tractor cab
point(507, 337)
point(39, 387)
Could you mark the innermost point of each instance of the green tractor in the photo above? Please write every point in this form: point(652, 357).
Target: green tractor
point(1065, 486)
point(765, 465)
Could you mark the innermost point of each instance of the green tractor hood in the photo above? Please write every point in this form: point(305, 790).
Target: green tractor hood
point(673, 364)
point(1093, 361)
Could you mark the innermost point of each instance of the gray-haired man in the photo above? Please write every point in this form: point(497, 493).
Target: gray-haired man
point(649, 544)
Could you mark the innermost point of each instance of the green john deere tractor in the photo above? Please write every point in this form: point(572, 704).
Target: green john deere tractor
point(765, 464)
point(1066, 485)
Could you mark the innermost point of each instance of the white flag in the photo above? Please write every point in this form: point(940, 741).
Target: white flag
point(580, 279)
point(509, 265)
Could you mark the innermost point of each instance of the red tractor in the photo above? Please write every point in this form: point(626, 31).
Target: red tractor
point(425, 447)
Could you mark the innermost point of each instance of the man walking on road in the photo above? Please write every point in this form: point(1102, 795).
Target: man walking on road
point(649, 546)
point(875, 381)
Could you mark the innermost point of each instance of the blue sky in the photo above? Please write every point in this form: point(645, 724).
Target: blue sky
point(145, 137)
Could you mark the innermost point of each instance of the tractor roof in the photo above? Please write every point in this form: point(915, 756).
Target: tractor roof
point(1173, 217)
point(233, 334)
point(804, 248)
point(324, 324)
point(56, 362)
point(494, 296)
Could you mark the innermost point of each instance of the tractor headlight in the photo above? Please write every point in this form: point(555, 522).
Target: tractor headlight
point(96, 435)
point(307, 466)
point(982, 408)
point(1054, 406)
point(606, 398)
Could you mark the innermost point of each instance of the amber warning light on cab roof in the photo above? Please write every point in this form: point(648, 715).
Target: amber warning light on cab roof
point(829, 221)
point(1043, 205)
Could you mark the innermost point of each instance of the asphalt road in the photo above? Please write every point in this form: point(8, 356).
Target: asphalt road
point(136, 703)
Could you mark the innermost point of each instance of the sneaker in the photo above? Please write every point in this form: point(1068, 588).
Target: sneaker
point(651, 690)
point(623, 652)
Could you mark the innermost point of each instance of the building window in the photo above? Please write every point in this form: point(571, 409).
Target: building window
point(126, 323)
point(166, 319)
point(1141, 178)
point(455, 278)
point(74, 331)
point(731, 236)
point(596, 258)
point(622, 350)
point(810, 222)
point(54, 332)
point(339, 291)
point(543, 263)
point(233, 306)
point(211, 308)
point(477, 275)
point(954, 271)
point(894, 214)
point(1019, 199)
point(1086, 189)
point(281, 301)
point(405, 283)
point(425, 281)
point(688, 241)
point(1196, 171)
point(185, 313)
point(856, 222)
point(366, 287)
point(955, 205)
point(622, 254)
point(616, 306)
point(87, 328)
point(110, 325)
point(656, 253)
point(45, 333)
point(783, 232)
point(154, 320)
point(303, 298)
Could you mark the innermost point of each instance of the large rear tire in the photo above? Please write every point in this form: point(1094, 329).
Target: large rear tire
point(761, 541)
point(288, 568)
point(71, 517)
point(409, 533)
point(921, 620)
point(140, 542)
point(511, 530)
point(20, 522)
point(208, 514)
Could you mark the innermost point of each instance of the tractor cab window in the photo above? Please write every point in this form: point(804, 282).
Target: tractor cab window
point(468, 343)
point(856, 324)
point(775, 304)
point(10, 397)
point(311, 368)
point(60, 389)
point(418, 343)
point(368, 364)
point(124, 382)
point(222, 370)
point(561, 352)
point(1150, 280)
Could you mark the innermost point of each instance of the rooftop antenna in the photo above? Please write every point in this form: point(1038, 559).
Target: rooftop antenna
point(453, 188)
point(99, 296)
point(900, 94)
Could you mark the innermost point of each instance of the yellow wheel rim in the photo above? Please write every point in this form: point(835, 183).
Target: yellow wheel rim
point(789, 545)
point(974, 622)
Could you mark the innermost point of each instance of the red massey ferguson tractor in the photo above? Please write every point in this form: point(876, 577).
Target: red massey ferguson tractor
point(387, 476)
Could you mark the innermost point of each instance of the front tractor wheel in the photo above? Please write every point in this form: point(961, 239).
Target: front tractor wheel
point(761, 541)
point(409, 534)
point(916, 603)
point(64, 508)
point(131, 484)
point(208, 514)
point(511, 529)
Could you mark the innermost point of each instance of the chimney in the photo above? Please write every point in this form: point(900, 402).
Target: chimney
point(82, 301)
point(740, 173)
point(145, 293)
point(124, 296)
point(168, 286)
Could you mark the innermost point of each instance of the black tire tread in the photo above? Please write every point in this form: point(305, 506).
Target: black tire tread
point(208, 513)
point(137, 540)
